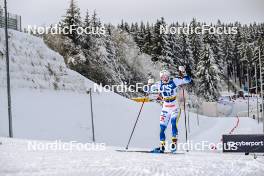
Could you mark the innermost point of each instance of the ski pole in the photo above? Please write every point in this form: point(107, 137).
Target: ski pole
point(189, 120)
point(136, 121)
point(188, 110)
point(186, 135)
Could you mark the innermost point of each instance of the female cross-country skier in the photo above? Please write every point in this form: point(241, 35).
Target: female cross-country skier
point(168, 89)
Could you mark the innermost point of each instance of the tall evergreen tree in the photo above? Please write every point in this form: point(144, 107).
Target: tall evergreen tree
point(140, 34)
point(175, 53)
point(246, 55)
point(208, 75)
point(175, 46)
point(126, 27)
point(72, 19)
point(186, 53)
point(195, 43)
point(87, 40)
point(215, 43)
point(87, 20)
point(228, 48)
point(95, 20)
point(148, 40)
point(161, 49)
point(237, 65)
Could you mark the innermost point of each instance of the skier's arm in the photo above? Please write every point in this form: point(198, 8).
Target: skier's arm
point(185, 78)
point(180, 81)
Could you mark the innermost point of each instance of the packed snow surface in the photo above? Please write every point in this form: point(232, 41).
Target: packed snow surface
point(51, 115)
point(17, 160)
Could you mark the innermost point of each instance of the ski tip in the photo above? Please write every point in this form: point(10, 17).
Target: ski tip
point(149, 151)
point(121, 150)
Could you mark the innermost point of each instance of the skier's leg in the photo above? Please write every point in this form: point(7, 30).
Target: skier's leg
point(162, 133)
point(164, 120)
point(175, 116)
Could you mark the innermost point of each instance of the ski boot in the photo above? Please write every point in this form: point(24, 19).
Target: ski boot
point(159, 149)
point(173, 146)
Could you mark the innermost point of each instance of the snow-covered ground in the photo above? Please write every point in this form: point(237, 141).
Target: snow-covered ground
point(65, 115)
point(17, 160)
point(50, 103)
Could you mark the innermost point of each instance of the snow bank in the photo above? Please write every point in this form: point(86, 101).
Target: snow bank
point(33, 65)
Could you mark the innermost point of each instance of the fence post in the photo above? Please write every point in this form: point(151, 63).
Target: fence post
point(92, 118)
point(197, 115)
point(8, 75)
point(20, 24)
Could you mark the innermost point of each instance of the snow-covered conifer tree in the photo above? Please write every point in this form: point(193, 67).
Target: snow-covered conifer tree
point(72, 19)
point(208, 75)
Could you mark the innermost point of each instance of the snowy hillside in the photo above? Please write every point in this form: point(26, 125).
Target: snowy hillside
point(46, 104)
point(34, 65)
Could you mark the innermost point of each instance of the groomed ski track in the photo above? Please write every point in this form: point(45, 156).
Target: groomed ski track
point(16, 160)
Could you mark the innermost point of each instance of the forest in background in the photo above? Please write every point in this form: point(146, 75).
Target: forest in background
point(208, 58)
